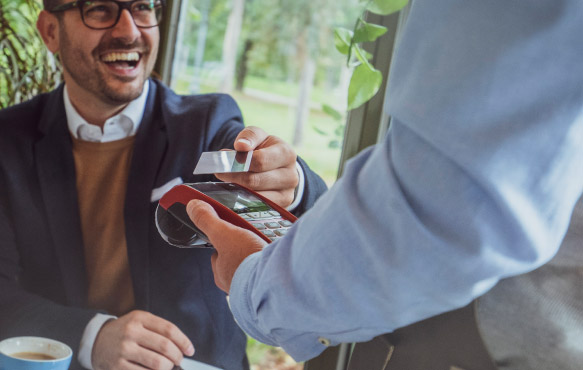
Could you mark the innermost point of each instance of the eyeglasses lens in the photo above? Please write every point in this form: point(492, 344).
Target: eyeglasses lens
point(102, 14)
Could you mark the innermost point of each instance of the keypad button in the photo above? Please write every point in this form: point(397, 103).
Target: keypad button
point(258, 226)
point(268, 233)
point(274, 213)
point(254, 214)
point(272, 225)
point(285, 223)
point(280, 232)
point(265, 215)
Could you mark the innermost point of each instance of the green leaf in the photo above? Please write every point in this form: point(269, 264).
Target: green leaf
point(362, 55)
point(367, 32)
point(364, 84)
point(334, 144)
point(386, 7)
point(319, 131)
point(342, 37)
point(194, 14)
point(331, 112)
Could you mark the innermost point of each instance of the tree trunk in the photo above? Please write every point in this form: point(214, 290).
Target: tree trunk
point(242, 67)
point(308, 73)
point(230, 43)
point(200, 46)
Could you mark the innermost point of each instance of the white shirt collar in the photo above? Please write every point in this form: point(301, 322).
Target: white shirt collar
point(120, 126)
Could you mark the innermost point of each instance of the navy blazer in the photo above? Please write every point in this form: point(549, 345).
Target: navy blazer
point(42, 274)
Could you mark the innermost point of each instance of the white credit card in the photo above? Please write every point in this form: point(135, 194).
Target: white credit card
point(223, 161)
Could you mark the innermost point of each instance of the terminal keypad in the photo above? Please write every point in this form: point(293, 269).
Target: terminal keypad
point(269, 223)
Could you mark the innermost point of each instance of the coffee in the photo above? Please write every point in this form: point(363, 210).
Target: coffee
point(32, 356)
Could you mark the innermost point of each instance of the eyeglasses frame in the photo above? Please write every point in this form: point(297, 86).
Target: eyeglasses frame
point(122, 5)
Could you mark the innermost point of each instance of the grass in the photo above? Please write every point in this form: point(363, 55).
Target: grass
point(264, 357)
point(319, 96)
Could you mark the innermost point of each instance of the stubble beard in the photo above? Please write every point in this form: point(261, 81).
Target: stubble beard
point(94, 80)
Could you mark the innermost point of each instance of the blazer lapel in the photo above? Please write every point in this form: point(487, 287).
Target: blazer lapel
point(56, 173)
point(149, 148)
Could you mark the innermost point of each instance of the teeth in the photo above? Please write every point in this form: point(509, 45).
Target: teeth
point(124, 57)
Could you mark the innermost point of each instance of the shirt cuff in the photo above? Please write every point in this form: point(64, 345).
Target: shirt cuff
point(299, 193)
point(88, 339)
point(240, 301)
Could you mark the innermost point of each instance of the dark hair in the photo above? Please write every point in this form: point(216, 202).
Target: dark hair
point(50, 4)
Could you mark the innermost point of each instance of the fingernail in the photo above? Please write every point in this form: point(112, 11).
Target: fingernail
point(190, 350)
point(244, 141)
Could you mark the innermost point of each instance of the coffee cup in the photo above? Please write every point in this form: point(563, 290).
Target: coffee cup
point(34, 353)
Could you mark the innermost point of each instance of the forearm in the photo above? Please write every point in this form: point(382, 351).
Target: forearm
point(370, 258)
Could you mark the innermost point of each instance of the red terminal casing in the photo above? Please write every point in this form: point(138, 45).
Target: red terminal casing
point(184, 194)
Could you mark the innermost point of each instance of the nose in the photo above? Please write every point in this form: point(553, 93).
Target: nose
point(126, 28)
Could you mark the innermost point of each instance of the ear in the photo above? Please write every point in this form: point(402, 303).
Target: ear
point(47, 25)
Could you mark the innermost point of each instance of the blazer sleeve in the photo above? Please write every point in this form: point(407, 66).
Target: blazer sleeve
point(314, 187)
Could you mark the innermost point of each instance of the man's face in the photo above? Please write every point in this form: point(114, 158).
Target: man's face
point(110, 65)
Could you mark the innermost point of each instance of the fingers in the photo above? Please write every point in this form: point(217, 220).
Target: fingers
point(277, 185)
point(170, 338)
point(249, 138)
point(145, 357)
point(128, 365)
point(281, 198)
point(137, 340)
point(272, 153)
point(278, 179)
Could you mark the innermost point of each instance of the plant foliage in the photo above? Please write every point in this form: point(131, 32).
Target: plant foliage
point(26, 67)
point(366, 80)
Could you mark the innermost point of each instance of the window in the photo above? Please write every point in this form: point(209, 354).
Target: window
point(278, 60)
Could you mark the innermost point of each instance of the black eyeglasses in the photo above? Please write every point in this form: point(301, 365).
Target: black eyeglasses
point(103, 14)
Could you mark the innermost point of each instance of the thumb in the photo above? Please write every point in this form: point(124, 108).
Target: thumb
point(204, 217)
point(249, 139)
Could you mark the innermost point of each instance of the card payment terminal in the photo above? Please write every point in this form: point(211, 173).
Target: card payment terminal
point(232, 202)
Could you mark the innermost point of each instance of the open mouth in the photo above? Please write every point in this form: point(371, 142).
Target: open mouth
point(122, 60)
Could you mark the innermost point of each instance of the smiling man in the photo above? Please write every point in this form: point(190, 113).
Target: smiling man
point(81, 170)
point(107, 54)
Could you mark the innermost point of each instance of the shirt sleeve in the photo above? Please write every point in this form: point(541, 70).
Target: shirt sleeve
point(475, 182)
point(88, 339)
point(299, 193)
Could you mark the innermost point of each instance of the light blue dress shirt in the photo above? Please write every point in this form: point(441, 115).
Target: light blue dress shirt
point(475, 182)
